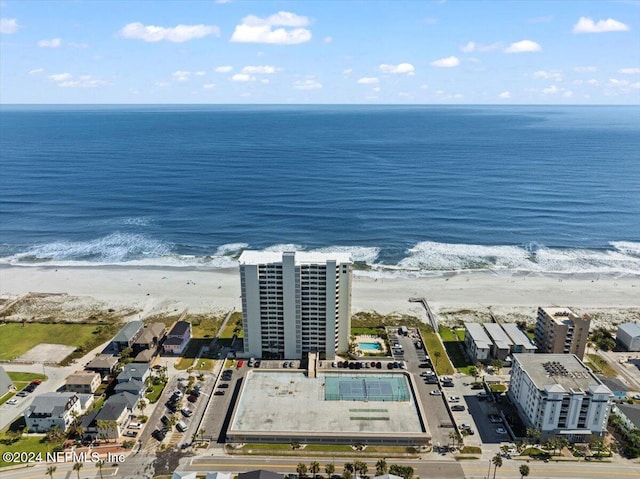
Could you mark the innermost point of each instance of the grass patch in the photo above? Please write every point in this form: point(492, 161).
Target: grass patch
point(26, 377)
point(6, 397)
point(367, 331)
point(205, 325)
point(534, 452)
point(471, 450)
point(154, 394)
point(433, 345)
point(497, 388)
point(16, 340)
point(234, 324)
point(602, 364)
point(184, 363)
point(166, 319)
point(453, 346)
point(204, 364)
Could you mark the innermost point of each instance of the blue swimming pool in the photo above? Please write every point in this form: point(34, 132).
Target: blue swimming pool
point(370, 347)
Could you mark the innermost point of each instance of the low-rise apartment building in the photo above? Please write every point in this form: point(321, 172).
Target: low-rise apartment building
point(558, 395)
point(83, 382)
point(561, 331)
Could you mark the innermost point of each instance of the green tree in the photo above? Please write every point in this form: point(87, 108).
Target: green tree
point(314, 468)
point(381, 467)
point(473, 371)
point(361, 468)
point(100, 465)
point(76, 467)
point(50, 471)
point(302, 469)
point(437, 354)
point(497, 365)
point(524, 471)
point(330, 469)
point(533, 434)
point(497, 462)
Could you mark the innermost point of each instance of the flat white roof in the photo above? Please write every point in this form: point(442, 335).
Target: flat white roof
point(518, 337)
point(301, 257)
point(289, 402)
point(478, 335)
point(500, 338)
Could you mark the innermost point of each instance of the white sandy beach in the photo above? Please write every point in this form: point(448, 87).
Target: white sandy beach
point(157, 290)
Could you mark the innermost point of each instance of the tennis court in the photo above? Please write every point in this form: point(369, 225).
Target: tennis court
point(366, 387)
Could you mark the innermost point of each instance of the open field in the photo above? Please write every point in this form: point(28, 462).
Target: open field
point(205, 325)
point(16, 339)
point(601, 365)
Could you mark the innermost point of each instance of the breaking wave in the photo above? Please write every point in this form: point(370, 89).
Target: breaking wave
point(424, 258)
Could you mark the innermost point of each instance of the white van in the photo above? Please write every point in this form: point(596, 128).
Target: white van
point(181, 426)
point(135, 425)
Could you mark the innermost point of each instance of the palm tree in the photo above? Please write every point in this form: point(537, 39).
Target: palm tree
point(453, 435)
point(99, 465)
point(348, 469)
point(314, 468)
point(361, 467)
point(330, 469)
point(437, 354)
point(381, 467)
point(76, 467)
point(497, 462)
point(51, 470)
point(301, 469)
point(524, 471)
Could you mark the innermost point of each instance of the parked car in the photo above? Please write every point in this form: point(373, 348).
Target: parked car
point(159, 434)
point(164, 420)
point(186, 412)
point(240, 363)
point(131, 433)
point(501, 430)
point(219, 393)
point(494, 418)
point(12, 402)
point(223, 386)
point(135, 425)
point(192, 398)
point(435, 392)
point(454, 399)
point(285, 365)
point(457, 407)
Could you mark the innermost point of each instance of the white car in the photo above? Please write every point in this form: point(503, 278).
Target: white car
point(436, 392)
point(501, 430)
point(454, 399)
point(12, 402)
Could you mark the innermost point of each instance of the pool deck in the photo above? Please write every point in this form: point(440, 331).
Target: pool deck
point(288, 404)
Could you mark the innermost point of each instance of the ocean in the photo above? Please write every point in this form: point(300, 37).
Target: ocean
point(408, 190)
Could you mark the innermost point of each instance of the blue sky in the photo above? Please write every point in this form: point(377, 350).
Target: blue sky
point(331, 51)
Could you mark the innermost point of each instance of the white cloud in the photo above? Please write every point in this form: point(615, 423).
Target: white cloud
point(78, 45)
point(523, 46)
point(552, 90)
point(57, 77)
point(180, 75)
point(376, 89)
point(567, 94)
point(177, 34)
point(327, 39)
point(402, 68)
point(629, 71)
point(587, 25)
point(242, 77)
point(448, 62)
point(209, 86)
point(547, 75)
point(586, 69)
point(368, 80)
point(260, 30)
point(8, 25)
point(477, 47)
point(252, 70)
point(264, 81)
point(53, 43)
point(505, 95)
point(36, 71)
point(200, 74)
point(67, 80)
point(163, 84)
point(307, 84)
point(223, 69)
point(348, 71)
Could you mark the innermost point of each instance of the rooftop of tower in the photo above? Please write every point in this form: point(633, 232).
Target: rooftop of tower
point(301, 257)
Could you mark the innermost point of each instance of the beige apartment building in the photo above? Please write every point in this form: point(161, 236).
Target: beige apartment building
point(561, 331)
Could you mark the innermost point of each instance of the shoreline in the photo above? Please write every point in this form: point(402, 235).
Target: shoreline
point(155, 290)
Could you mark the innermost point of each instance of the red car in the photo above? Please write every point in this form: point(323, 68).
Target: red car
point(37, 382)
point(240, 363)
